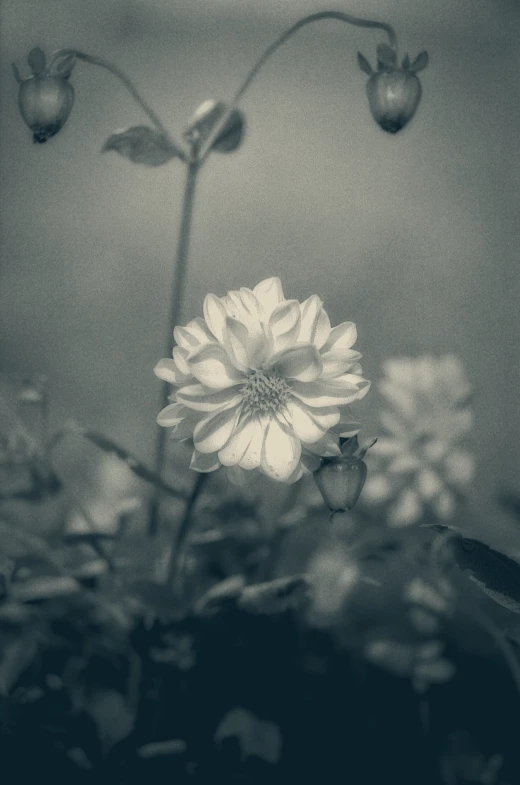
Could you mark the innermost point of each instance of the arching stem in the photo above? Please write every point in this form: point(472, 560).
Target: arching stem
point(283, 38)
point(132, 89)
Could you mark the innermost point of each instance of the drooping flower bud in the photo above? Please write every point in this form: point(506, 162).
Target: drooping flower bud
point(45, 98)
point(340, 479)
point(393, 91)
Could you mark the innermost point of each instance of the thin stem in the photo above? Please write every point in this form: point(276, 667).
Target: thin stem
point(132, 89)
point(179, 278)
point(179, 544)
point(318, 17)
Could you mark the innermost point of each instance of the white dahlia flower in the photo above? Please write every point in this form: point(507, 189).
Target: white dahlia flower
point(419, 463)
point(262, 383)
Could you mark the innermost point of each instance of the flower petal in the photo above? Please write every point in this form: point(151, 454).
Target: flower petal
point(280, 453)
point(193, 335)
point(318, 393)
point(301, 362)
point(233, 452)
point(315, 324)
point(252, 457)
point(171, 415)
point(167, 371)
point(201, 462)
point(179, 356)
point(344, 336)
point(212, 432)
point(326, 447)
point(309, 425)
point(339, 361)
point(284, 324)
point(211, 365)
point(269, 294)
point(236, 340)
point(205, 399)
point(215, 315)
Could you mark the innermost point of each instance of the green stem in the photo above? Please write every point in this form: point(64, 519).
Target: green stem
point(179, 277)
point(318, 17)
point(108, 66)
point(179, 545)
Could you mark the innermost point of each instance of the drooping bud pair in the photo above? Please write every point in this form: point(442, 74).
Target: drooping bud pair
point(393, 91)
point(46, 97)
point(340, 479)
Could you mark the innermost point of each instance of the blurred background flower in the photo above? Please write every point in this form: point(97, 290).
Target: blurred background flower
point(420, 462)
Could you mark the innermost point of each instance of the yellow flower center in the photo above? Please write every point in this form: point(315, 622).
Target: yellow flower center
point(265, 392)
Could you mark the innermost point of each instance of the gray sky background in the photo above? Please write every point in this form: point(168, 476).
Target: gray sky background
point(415, 237)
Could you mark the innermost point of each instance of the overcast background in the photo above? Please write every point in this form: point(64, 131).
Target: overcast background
point(413, 236)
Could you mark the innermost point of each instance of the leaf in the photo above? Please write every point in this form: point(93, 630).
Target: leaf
point(364, 64)
point(36, 60)
point(255, 737)
point(112, 715)
point(420, 62)
point(219, 596)
point(494, 572)
point(16, 73)
point(142, 145)
point(204, 121)
point(133, 463)
point(386, 56)
point(65, 66)
point(406, 62)
point(36, 589)
point(276, 596)
point(16, 657)
point(162, 748)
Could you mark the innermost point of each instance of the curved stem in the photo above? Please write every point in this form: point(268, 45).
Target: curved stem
point(179, 277)
point(127, 83)
point(280, 41)
point(338, 15)
point(178, 548)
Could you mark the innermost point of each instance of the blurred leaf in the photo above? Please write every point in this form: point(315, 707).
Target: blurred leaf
point(161, 748)
point(142, 145)
point(364, 64)
point(159, 599)
point(112, 715)
point(255, 737)
point(16, 73)
point(46, 588)
point(134, 464)
point(221, 595)
point(276, 596)
point(36, 60)
point(16, 657)
point(496, 574)
point(420, 62)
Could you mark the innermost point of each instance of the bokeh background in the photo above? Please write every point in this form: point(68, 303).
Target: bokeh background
point(413, 236)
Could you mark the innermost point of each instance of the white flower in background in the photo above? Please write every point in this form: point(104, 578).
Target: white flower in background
point(419, 464)
point(262, 383)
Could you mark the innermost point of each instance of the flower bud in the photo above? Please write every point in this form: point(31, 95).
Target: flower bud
point(393, 91)
point(340, 481)
point(45, 98)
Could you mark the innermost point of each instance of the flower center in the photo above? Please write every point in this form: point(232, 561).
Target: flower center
point(265, 392)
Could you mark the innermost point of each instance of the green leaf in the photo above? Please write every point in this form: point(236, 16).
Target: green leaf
point(364, 64)
point(225, 593)
point(420, 62)
point(156, 749)
point(36, 60)
point(494, 572)
point(142, 145)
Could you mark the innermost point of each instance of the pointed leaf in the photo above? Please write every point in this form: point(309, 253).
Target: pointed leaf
point(142, 145)
point(65, 66)
point(364, 64)
point(386, 56)
point(276, 596)
point(420, 62)
point(36, 60)
point(204, 121)
point(496, 574)
point(16, 73)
